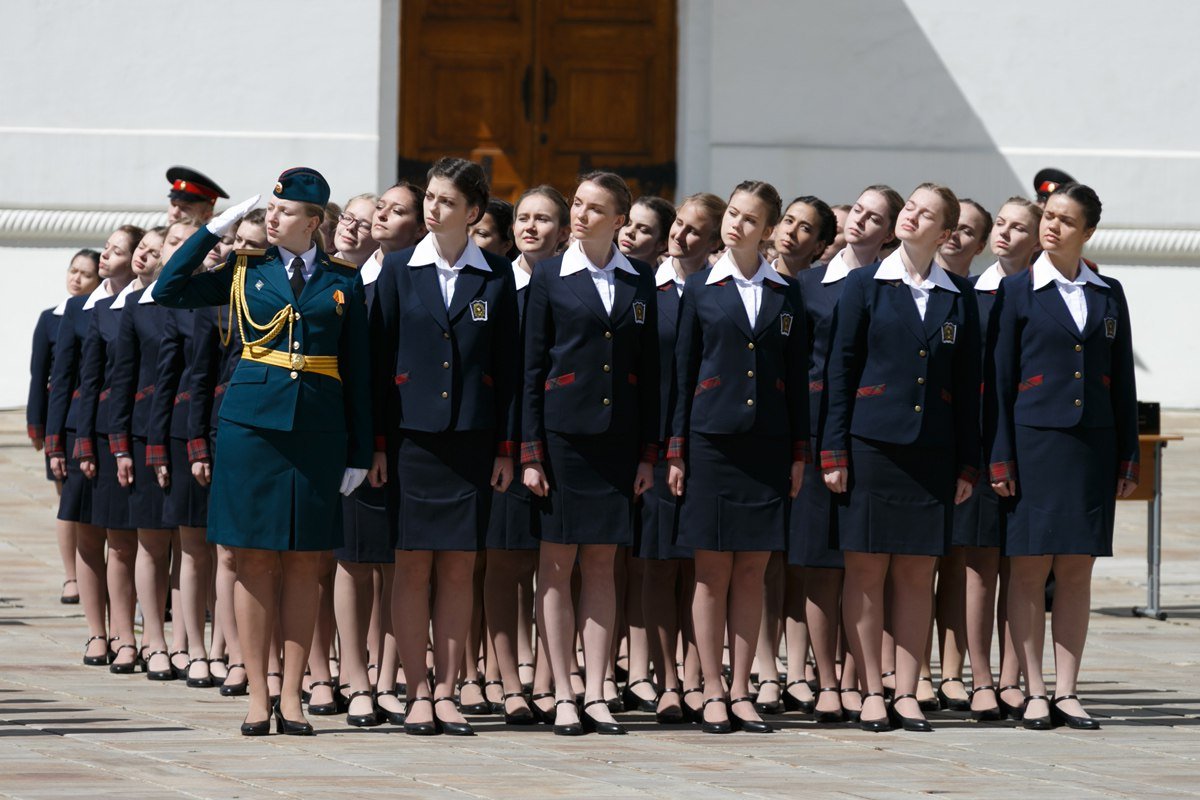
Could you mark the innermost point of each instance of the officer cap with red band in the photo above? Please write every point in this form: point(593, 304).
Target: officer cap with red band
point(1047, 180)
point(190, 186)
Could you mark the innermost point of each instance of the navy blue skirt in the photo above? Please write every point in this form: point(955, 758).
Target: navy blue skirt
point(1066, 492)
point(591, 489)
point(75, 502)
point(110, 500)
point(657, 521)
point(146, 497)
point(511, 524)
point(736, 494)
point(900, 500)
point(445, 493)
point(812, 520)
point(977, 521)
point(185, 501)
point(277, 490)
point(366, 526)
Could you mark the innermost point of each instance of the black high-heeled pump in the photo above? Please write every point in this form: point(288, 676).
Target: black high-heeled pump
point(985, 714)
point(831, 717)
point(180, 672)
point(1042, 723)
point(262, 728)
point(932, 704)
point(362, 720)
point(494, 707)
point(290, 727)
point(947, 702)
point(615, 703)
point(129, 667)
point(593, 725)
point(854, 714)
point(167, 674)
point(235, 689)
point(324, 709)
point(632, 701)
point(274, 698)
point(1060, 717)
point(570, 729)
point(522, 716)
point(775, 707)
point(725, 726)
point(451, 728)
point(198, 683)
point(96, 661)
point(546, 717)
point(889, 692)
point(748, 725)
point(1007, 711)
point(420, 728)
point(881, 725)
point(526, 687)
point(672, 715)
point(914, 724)
point(793, 703)
point(473, 709)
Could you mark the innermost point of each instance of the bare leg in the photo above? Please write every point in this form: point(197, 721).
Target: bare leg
point(451, 625)
point(1010, 662)
point(1027, 615)
point(709, 615)
point(659, 589)
point(179, 642)
point(153, 559)
point(982, 565)
point(951, 614)
point(471, 692)
point(597, 620)
point(822, 596)
point(639, 635)
point(745, 620)
point(122, 560)
point(389, 656)
point(93, 584)
point(692, 671)
point(506, 571)
point(862, 610)
point(770, 632)
point(912, 580)
point(353, 588)
point(1069, 624)
point(319, 674)
point(298, 599)
point(410, 616)
point(193, 585)
point(256, 605)
point(65, 531)
point(225, 615)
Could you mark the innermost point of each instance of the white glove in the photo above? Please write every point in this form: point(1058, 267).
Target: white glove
point(351, 478)
point(219, 226)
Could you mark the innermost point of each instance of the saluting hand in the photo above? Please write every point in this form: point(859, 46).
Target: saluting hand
point(223, 223)
point(125, 471)
point(675, 475)
point(1126, 487)
point(534, 478)
point(378, 474)
point(797, 478)
point(202, 472)
point(1005, 488)
point(644, 478)
point(502, 473)
point(962, 492)
point(837, 479)
point(88, 467)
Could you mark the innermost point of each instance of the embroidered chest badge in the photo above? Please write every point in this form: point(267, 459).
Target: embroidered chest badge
point(949, 333)
point(258, 284)
point(1110, 327)
point(479, 311)
point(639, 312)
point(785, 324)
point(339, 299)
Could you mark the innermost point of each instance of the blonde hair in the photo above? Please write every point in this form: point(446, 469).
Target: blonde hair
point(712, 206)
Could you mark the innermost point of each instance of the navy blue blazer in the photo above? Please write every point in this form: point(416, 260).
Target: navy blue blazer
point(669, 303)
point(171, 404)
point(436, 369)
point(736, 379)
point(893, 377)
point(211, 368)
point(135, 371)
point(97, 359)
point(588, 372)
point(41, 362)
point(1049, 375)
point(61, 410)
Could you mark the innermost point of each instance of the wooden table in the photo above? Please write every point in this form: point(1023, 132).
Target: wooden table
point(1149, 490)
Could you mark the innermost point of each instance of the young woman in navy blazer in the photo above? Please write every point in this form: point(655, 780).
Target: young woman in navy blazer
point(1065, 444)
point(590, 432)
point(541, 225)
point(900, 441)
point(83, 276)
point(446, 375)
point(110, 500)
point(62, 423)
point(740, 433)
point(668, 578)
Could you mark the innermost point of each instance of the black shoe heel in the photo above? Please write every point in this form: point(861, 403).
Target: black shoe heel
point(913, 724)
point(572, 729)
point(888, 693)
point(986, 714)
point(257, 728)
point(522, 716)
point(747, 725)
point(669, 716)
point(362, 720)
point(526, 687)
point(495, 708)
point(1035, 723)
point(793, 703)
point(770, 708)
point(851, 715)
point(1060, 717)
point(632, 701)
point(593, 725)
point(235, 689)
point(714, 727)
point(1007, 711)
point(451, 728)
point(290, 727)
point(831, 717)
point(947, 702)
point(874, 725)
point(180, 672)
point(693, 715)
point(933, 703)
point(392, 717)
point(420, 728)
point(541, 715)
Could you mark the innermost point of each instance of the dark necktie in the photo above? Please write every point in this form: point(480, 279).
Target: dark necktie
point(297, 280)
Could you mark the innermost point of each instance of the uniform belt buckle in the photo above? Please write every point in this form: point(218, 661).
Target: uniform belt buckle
point(297, 361)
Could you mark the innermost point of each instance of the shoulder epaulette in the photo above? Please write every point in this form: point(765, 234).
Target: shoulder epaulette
point(343, 262)
point(250, 252)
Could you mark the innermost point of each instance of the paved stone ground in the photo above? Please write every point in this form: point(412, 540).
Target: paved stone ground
point(72, 731)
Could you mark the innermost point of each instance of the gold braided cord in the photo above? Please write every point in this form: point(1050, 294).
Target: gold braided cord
point(239, 306)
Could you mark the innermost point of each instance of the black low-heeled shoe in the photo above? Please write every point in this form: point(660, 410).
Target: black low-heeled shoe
point(540, 714)
point(473, 709)
point(775, 707)
point(392, 717)
point(747, 725)
point(420, 728)
point(693, 715)
point(262, 728)
point(669, 716)
point(198, 683)
point(881, 725)
point(96, 661)
point(632, 701)
point(129, 667)
point(947, 702)
point(1007, 711)
point(793, 703)
point(494, 708)
point(1060, 717)
point(985, 714)
point(325, 709)
point(724, 726)
point(571, 729)
point(1043, 723)
point(854, 714)
point(451, 728)
point(913, 724)
point(167, 674)
point(593, 725)
point(362, 720)
point(70, 600)
point(831, 717)
point(180, 672)
point(932, 704)
point(522, 716)
point(290, 727)
point(235, 689)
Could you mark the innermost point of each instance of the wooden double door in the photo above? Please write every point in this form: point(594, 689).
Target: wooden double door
point(539, 91)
